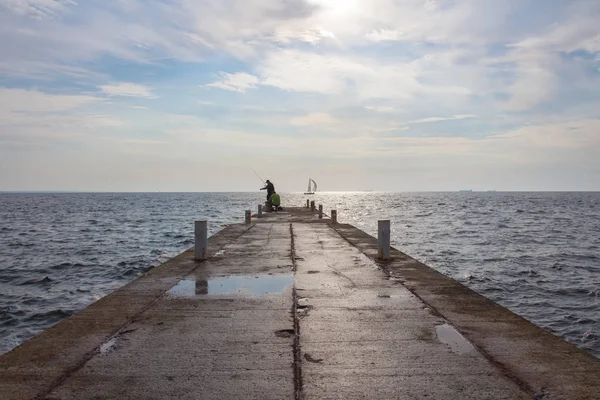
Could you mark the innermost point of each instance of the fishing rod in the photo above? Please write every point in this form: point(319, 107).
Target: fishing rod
point(258, 176)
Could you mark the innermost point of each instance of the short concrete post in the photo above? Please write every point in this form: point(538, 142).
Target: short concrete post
point(200, 239)
point(312, 205)
point(320, 211)
point(334, 216)
point(259, 211)
point(307, 203)
point(383, 239)
point(248, 217)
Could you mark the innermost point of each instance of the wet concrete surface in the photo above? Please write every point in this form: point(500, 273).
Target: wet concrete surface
point(289, 308)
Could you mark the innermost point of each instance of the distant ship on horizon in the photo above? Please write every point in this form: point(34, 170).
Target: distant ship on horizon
point(466, 190)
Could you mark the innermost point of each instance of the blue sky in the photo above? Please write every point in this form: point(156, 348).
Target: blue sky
point(182, 95)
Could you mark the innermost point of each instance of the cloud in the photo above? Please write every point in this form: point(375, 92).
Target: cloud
point(362, 78)
point(238, 82)
point(381, 109)
point(539, 60)
point(309, 72)
point(315, 119)
point(384, 35)
point(127, 89)
point(26, 114)
point(21, 100)
point(439, 119)
point(37, 8)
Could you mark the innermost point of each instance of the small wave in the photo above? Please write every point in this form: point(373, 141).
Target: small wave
point(44, 281)
point(589, 336)
point(62, 265)
point(20, 244)
point(424, 215)
point(494, 259)
point(585, 321)
point(7, 320)
point(448, 253)
point(186, 242)
point(54, 315)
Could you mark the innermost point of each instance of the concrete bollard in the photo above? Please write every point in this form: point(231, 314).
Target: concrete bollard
point(334, 216)
point(200, 239)
point(312, 205)
point(259, 211)
point(383, 239)
point(320, 211)
point(307, 203)
point(248, 217)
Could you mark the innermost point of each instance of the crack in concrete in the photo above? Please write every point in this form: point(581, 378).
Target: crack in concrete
point(298, 384)
point(339, 273)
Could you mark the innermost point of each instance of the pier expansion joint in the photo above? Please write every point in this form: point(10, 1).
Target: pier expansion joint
point(298, 384)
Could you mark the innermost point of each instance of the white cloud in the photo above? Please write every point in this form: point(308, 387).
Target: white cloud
point(438, 119)
point(384, 35)
point(362, 78)
point(21, 100)
point(151, 142)
point(37, 8)
point(312, 36)
point(309, 72)
point(238, 82)
point(28, 114)
point(315, 119)
point(381, 109)
point(127, 89)
point(539, 58)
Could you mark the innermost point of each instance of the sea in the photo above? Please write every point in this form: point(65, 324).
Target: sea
point(537, 254)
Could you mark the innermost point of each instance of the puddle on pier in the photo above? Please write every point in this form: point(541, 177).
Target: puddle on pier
point(450, 336)
point(257, 285)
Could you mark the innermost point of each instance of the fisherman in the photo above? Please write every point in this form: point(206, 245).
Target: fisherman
point(269, 188)
point(274, 202)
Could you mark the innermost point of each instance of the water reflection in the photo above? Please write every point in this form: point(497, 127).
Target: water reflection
point(256, 285)
point(450, 336)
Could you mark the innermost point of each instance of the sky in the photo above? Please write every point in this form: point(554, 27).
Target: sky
point(394, 95)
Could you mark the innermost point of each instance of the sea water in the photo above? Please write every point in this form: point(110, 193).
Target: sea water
point(537, 254)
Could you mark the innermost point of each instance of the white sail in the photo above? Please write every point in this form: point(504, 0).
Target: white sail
point(312, 186)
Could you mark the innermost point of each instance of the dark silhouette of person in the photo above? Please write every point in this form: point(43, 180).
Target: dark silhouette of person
point(269, 188)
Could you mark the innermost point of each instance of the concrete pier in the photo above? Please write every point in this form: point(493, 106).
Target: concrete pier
point(293, 307)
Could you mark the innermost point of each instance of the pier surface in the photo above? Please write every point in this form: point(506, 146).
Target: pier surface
point(293, 307)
